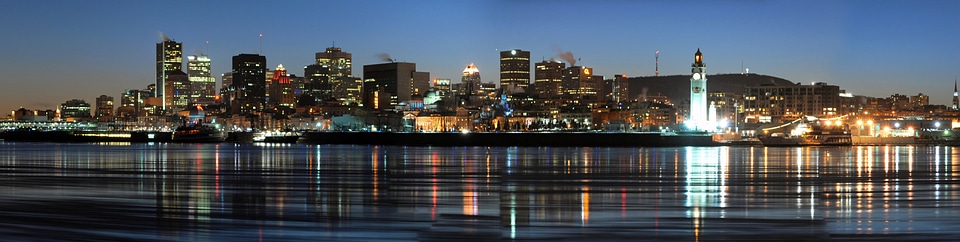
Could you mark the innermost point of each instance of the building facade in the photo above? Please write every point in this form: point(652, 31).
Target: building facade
point(104, 111)
point(388, 84)
point(169, 58)
point(699, 110)
point(515, 71)
point(281, 89)
point(780, 104)
point(548, 77)
point(249, 84)
point(203, 86)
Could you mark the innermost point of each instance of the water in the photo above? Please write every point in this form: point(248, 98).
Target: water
point(231, 192)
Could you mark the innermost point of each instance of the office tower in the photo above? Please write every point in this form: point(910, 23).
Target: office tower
point(169, 58)
point(132, 104)
point(352, 91)
point(75, 108)
point(514, 71)
point(442, 87)
point(281, 90)
point(318, 85)
point(615, 90)
point(104, 111)
point(578, 82)
point(249, 82)
point(548, 77)
point(469, 91)
point(421, 83)
point(176, 91)
point(334, 71)
point(388, 84)
point(337, 62)
point(785, 103)
point(203, 86)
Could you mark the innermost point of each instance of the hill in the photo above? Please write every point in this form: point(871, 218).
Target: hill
point(677, 87)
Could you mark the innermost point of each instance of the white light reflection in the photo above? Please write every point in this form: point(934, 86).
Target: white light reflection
point(706, 174)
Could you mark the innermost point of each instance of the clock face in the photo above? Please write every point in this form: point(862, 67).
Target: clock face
point(696, 76)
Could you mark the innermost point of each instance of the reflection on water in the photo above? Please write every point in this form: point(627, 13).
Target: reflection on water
point(122, 191)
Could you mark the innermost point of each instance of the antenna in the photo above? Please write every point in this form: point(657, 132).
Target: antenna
point(207, 47)
point(261, 44)
point(656, 56)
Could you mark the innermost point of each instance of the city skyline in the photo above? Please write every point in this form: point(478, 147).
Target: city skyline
point(61, 51)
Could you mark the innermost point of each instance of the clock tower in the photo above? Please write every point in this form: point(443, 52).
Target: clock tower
point(698, 94)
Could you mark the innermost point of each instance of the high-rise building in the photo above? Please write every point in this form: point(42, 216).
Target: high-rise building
point(337, 62)
point(318, 85)
point(388, 84)
point(616, 89)
point(75, 108)
point(249, 82)
point(578, 82)
point(780, 104)
point(699, 111)
point(329, 78)
point(442, 87)
point(548, 77)
point(177, 92)
point(132, 104)
point(203, 86)
point(104, 111)
point(169, 58)
point(421, 83)
point(281, 90)
point(515, 71)
point(469, 90)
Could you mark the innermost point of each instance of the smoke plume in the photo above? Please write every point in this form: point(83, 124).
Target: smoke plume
point(566, 56)
point(199, 52)
point(385, 57)
point(163, 36)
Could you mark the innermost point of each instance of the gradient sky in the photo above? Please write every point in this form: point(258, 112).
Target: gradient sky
point(53, 51)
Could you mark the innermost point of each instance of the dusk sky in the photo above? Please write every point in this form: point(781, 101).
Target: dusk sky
point(53, 51)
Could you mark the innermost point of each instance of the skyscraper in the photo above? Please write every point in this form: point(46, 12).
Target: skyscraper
point(548, 77)
point(319, 86)
point(177, 92)
point(339, 63)
point(333, 74)
point(203, 86)
point(104, 111)
point(388, 84)
point(515, 71)
point(469, 90)
point(169, 58)
point(249, 82)
point(281, 90)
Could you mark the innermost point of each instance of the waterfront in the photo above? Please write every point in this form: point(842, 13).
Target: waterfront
point(244, 192)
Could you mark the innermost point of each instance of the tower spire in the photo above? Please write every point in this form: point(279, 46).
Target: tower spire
point(956, 95)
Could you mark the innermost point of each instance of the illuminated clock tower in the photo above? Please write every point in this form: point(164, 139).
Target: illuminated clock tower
point(698, 94)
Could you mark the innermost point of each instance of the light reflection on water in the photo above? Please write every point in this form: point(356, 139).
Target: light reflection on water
point(361, 193)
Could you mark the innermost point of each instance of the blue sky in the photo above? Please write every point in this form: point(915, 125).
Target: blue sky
point(53, 51)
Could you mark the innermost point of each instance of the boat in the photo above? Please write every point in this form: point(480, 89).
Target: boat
point(277, 136)
point(817, 136)
point(199, 133)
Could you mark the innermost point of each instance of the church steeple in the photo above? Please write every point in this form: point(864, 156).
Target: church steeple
point(956, 95)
